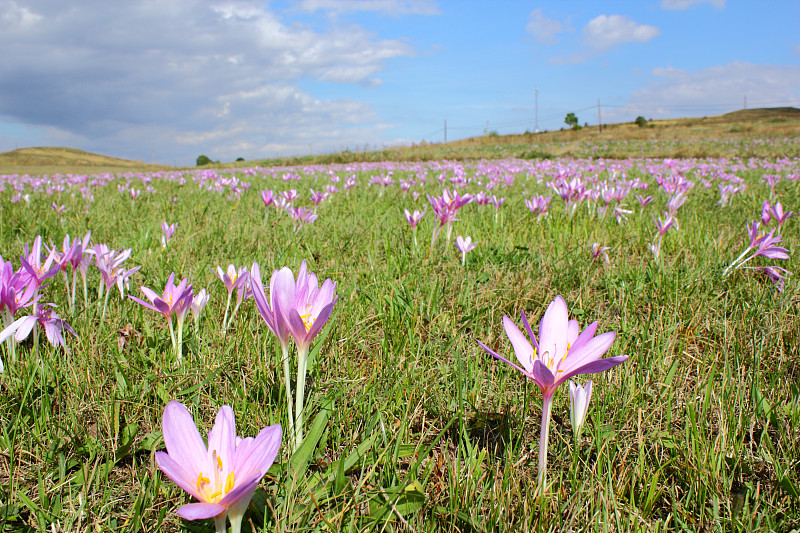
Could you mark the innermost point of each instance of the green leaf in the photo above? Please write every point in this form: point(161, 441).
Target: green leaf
point(302, 457)
point(397, 500)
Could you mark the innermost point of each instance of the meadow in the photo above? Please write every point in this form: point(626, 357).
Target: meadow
point(410, 424)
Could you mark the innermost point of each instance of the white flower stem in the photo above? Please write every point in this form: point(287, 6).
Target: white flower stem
point(219, 523)
point(302, 361)
point(734, 264)
point(287, 381)
point(225, 319)
point(547, 406)
point(105, 305)
point(180, 338)
point(172, 335)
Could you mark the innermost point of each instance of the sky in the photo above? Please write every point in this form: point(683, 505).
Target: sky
point(166, 81)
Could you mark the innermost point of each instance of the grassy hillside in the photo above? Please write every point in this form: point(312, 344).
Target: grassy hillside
point(56, 159)
point(725, 135)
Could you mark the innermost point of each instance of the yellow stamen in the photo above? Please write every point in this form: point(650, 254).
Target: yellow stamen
point(308, 321)
point(219, 463)
point(214, 498)
point(230, 482)
point(201, 480)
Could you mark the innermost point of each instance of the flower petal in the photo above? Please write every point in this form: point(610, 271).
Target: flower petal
point(222, 437)
point(553, 331)
point(500, 357)
point(588, 352)
point(200, 511)
point(183, 441)
point(258, 454)
point(600, 365)
point(543, 376)
point(522, 348)
point(173, 470)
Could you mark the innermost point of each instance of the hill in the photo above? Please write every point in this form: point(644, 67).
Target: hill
point(715, 136)
point(51, 160)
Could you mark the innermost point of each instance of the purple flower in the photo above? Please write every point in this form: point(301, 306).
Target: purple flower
point(579, 398)
point(233, 279)
point(415, 217)
point(167, 231)
point(33, 265)
point(599, 251)
point(538, 205)
point(298, 308)
point(222, 475)
point(779, 215)
point(268, 197)
point(561, 352)
point(45, 317)
point(464, 246)
point(175, 300)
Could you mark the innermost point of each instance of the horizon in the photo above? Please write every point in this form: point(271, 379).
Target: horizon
point(262, 80)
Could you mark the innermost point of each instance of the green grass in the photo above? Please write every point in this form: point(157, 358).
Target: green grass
point(416, 427)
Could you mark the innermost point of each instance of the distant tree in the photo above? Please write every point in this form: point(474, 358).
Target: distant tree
point(240, 159)
point(203, 160)
point(572, 121)
point(640, 121)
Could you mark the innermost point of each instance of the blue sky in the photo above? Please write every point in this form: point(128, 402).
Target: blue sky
point(168, 81)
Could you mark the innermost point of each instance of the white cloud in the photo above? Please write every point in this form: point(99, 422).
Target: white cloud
point(163, 72)
point(717, 90)
point(391, 7)
point(685, 4)
point(544, 30)
point(606, 31)
point(19, 17)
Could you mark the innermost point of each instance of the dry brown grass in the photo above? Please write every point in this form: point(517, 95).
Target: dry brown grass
point(54, 159)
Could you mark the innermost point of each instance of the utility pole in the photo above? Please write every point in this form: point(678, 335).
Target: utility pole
point(536, 124)
point(599, 122)
point(745, 101)
point(445, 131)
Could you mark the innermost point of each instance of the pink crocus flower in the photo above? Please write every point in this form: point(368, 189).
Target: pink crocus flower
point(199, 302)
point(65, 258)
point(662, 227)
point(464, 245)
point(271, 311)
point(44, 317)
point(268, 197)
point(776, 275)
point(780, 216)
point(765, 245)
point(59, 209)
point(298, 309)
point(175, 300)
point(37, 269)
point(643, 202)
point(766, 213)
point(600, 251)
point(110, 263)
point(538, 204)
point(302, 216)
point(222, 475)
point(237, 279)
point(561, 352)
point(579, 398)
point(167, 231)
point(413, 219)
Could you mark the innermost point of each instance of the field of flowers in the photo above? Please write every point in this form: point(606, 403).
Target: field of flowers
point(391, 337)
